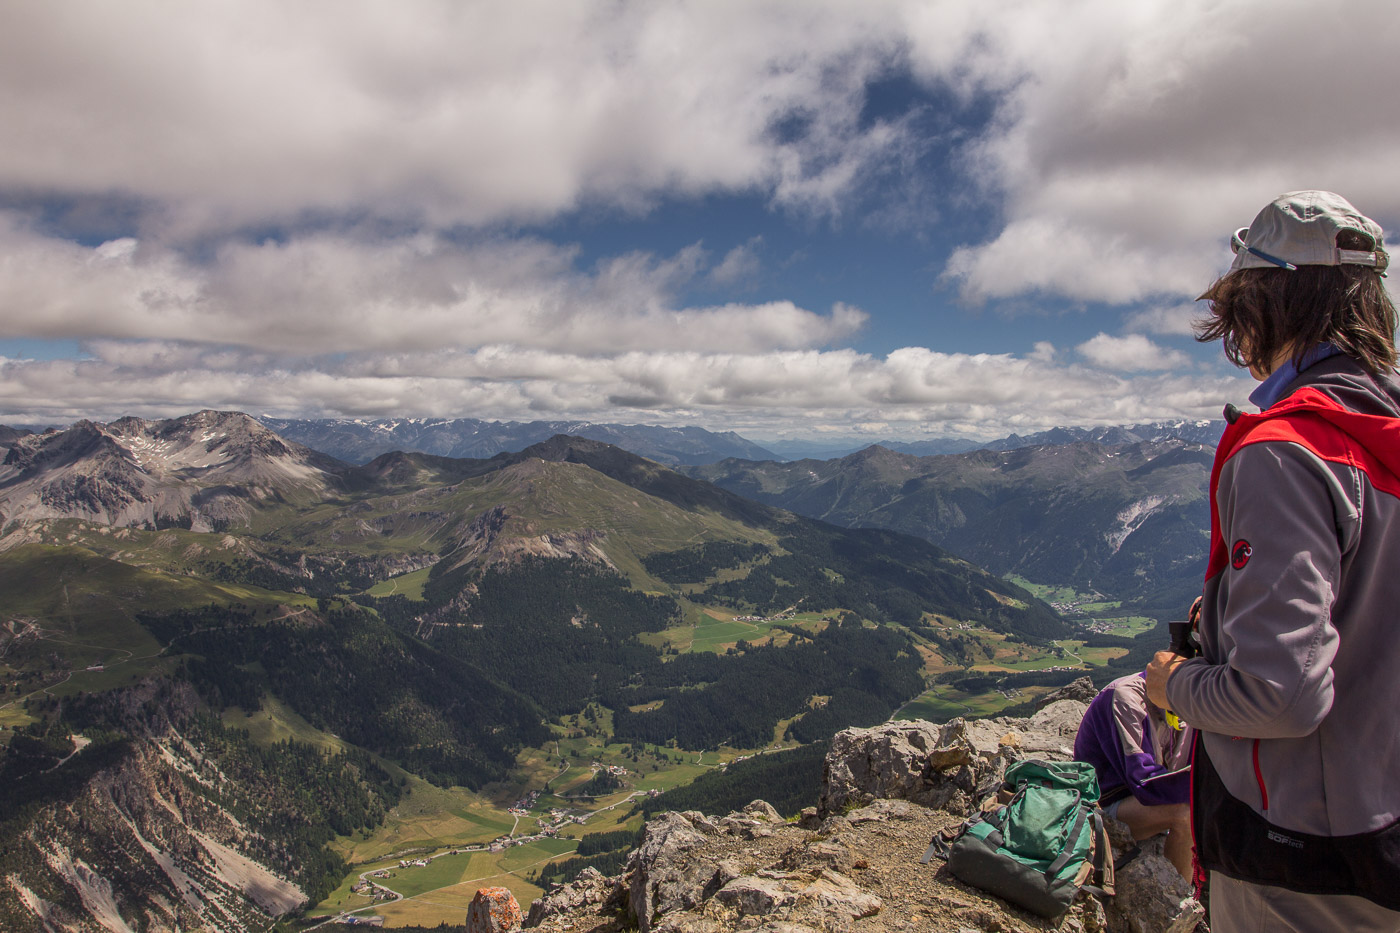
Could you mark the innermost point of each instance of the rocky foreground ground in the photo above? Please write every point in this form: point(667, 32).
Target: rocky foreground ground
point(851, 863)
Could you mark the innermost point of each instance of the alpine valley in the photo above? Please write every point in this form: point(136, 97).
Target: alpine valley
point(248, 684)
point(234, 665)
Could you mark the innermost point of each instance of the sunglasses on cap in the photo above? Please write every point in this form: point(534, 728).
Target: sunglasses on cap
point(1237, 243)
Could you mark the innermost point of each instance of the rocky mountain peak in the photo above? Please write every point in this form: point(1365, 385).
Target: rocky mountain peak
point(82, 440)
point(568, 447)
point(876, 456)
point(135, 472)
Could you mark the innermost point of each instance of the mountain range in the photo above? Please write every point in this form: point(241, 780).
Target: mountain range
point(362, 441)
point(439, 619)
point(1128, 521)
point(1201, 432)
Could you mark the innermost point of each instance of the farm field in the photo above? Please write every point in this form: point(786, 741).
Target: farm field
point(943, 703)
point(441, 891)
point(989, 652)
point(408, 584)
point(430, 820)
point(717, 631)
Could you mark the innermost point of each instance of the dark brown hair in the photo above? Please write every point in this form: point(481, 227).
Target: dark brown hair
point(1258, 313)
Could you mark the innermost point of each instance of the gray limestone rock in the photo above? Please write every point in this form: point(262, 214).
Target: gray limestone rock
point(702, 822)
point(1082, 690)
point(764, 811)
point(590, 892)
point(1151, 896)
point(662, 878)
point(752, 895)
point(936, 766)
point(834, 893)
point(881, 811)
point(820, 853)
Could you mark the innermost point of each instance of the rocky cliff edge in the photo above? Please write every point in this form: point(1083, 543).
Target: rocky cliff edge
point(851, 863)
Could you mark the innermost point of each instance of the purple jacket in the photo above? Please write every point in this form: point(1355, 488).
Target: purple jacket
point(1127, 740)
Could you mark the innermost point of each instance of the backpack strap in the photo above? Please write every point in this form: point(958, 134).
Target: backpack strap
point(938, 846)
point(1068, 852)
point(996, 818)
point(941, 844)
point(1104, 867)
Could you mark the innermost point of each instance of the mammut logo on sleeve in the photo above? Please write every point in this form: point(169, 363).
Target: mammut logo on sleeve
point(1240, 554)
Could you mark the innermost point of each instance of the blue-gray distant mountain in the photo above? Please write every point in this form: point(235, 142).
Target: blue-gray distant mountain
point(1130, 521)
point(1198, 432)
point(829, 450)
point(9, 435)
point(359, 441)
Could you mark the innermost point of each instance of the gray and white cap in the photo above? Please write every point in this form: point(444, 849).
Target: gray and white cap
point(1300, 229)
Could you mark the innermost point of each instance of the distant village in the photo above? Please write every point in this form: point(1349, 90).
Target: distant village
point(1102, 626)
point(549, 823)
point(780, 617)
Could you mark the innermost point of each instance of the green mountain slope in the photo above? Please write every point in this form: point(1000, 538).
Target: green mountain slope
point(545, 596)
point(1127, 521)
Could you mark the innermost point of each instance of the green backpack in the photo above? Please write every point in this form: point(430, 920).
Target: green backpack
point(1039, 849)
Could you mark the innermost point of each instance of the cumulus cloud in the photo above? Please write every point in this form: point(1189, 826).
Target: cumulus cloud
point(397, 151)
point(913, 390)
point(1167, 320)
point(228, 114)
point(1135, 137)
point(739, 264)
point(324, 293)
point(1132, 352)
point(1127, 139)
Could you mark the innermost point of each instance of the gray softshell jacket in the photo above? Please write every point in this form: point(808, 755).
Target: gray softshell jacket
point(1297, 693)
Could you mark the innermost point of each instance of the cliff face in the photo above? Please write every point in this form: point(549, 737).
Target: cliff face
point(148, 841)
point(851, 864)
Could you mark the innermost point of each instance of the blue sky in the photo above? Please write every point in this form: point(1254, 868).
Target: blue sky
point(790, 218)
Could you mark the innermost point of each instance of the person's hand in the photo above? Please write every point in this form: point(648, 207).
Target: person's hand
point(1158, 673)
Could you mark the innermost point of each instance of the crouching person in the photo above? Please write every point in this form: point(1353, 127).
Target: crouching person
point(1142, 764)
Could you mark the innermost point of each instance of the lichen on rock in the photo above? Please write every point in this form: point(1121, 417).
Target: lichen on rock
point(493, 910)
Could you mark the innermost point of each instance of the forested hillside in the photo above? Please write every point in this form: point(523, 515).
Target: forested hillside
point(1128, 521)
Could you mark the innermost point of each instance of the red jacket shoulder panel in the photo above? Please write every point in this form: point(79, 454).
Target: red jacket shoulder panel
point(1370, 443)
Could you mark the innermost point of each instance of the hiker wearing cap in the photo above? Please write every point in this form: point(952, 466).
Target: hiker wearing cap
point(1295, 778)
point(1141, 764)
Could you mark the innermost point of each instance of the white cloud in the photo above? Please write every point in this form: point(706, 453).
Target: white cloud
point(1132, 352)
point(396, 149)
point(910, 392)
point(227, 114)
point(1166, 320)
point(1131, 138)
point(325, 293)
point(739, 264)
point(1128, 139)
